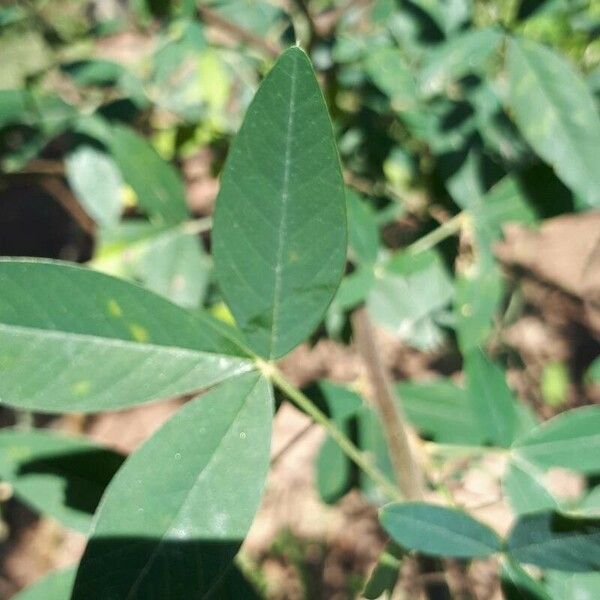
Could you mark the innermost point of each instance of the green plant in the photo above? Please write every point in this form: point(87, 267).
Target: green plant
point(477, 112)
point(179, 508)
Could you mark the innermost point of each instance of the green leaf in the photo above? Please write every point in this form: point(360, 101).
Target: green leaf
point(44, 116)
point(94, 72)
point(491, 398)
point(478, 296)
point(578, 586)
point(388, 70)
point(97, 183)
point(24, 51)
point(354, 288)
point(409, 292)
point(449, 16)
point(332, 471)
point(182, 70)
point(517, 584)
point(525, 490)
point(72, 339)
point(60, 476)
point(53, 114)
point(527, 419)
point(372, 441)
point(156, 183)
point(145, 10)
point(430, 123)
point(556, 113)
point(332, 466)
point(441, 410)
point(500, 137)
point(25, 152)
point(352, 291)
point(176, 266)
point(506, 202)
point(279, 233)
point(170, 262)
point(554, 384)
point(349, 48)
point(551, 540)
point(14, 107)
point(172, 520)
point(438, 531)
point(363, 233)
point(593, 372)
point(463, 54)
point(57, 585)
point(386, 572)
point(12, 14)
point(258, 17)
point(185, 41)
point(464, 176)
point(400, 170)
point(590, 505)
point(571, 440)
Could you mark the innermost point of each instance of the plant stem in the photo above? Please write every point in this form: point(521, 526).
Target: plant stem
point(23, 420)
point(210, 17)
point(447, 451)
point(340, 438)
point(407, 470)
point(511, 10)
point(305, 12)
point(431, 239)
point(326, 22)
point(292, 442)
point(197, 226)
point(43, 166)
point(63, 195)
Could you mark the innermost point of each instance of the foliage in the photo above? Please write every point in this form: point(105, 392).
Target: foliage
point(342, 188)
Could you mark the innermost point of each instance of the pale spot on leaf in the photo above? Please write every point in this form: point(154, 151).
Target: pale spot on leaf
point(114, 309)
point(81, 388)
point(18, 452)
point(139, 333)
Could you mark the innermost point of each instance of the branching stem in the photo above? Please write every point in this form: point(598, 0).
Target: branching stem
point(210, 17)
point(445, 230)
point(340, 438)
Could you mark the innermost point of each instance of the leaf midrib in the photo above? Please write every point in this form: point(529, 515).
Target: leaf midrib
point(545, 448)
point(140, 577)
point(200, 319)
point(455, 413)
point(450, 534)
point(282, 230)
point(552, 543)
point(500, 430)
point(117, 342)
